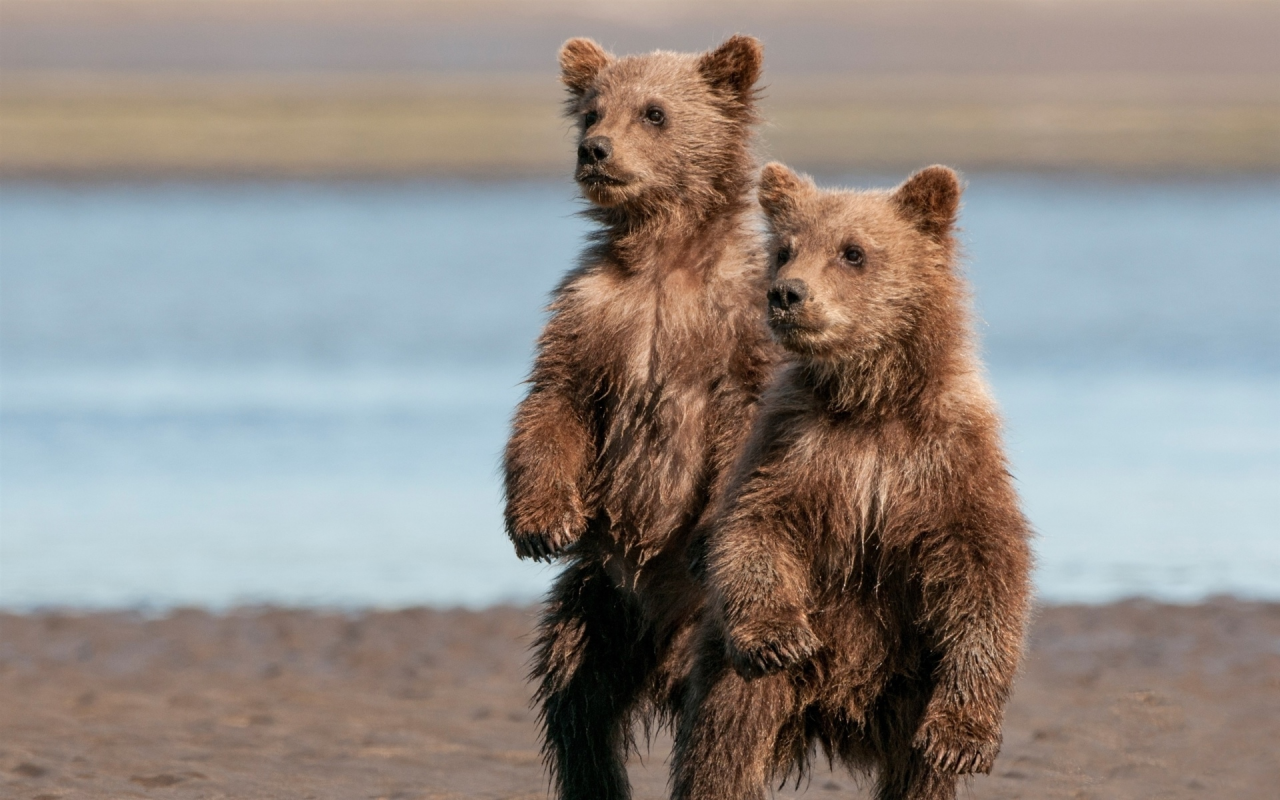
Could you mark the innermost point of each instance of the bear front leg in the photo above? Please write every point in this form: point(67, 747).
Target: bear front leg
point(593, 658)
point(727, 742)
point(762, 592)
point(975, 596)
point(547, 461)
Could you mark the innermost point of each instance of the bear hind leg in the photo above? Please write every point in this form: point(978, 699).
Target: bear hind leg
point(592, 661)
point(730, 738)
point(904, 771)
point(914, 779)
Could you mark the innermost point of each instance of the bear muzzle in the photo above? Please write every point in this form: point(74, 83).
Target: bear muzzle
point(787, 295)
point(594, 150)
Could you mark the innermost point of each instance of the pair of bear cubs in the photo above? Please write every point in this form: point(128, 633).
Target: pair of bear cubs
point(770, 468)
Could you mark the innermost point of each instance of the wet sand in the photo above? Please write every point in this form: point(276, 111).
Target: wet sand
point(1132, 700)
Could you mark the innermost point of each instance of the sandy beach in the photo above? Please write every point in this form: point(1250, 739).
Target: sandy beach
point(1131, 700)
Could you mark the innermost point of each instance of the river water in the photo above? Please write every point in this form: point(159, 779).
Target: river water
point(297, 393)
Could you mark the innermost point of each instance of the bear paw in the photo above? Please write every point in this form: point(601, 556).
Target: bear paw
point(957, 748)
point(547, 546)
point(777, 648)
point(544, 529)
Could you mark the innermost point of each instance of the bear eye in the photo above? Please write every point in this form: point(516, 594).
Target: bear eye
point(590, 118)
point(655, 116)
point(784, 255)
point(854, 256)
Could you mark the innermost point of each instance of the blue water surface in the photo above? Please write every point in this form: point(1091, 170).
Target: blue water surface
point(298, 393)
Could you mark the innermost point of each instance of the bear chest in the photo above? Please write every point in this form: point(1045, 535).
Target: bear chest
point(849, 490)
point(657, 385)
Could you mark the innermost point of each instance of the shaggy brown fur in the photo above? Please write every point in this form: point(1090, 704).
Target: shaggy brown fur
point(869, 566)
point(643, 389)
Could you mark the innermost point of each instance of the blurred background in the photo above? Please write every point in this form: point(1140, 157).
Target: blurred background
point(271, 270)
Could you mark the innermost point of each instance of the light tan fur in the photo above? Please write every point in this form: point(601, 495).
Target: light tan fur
point(869, 566)
point(646, 378)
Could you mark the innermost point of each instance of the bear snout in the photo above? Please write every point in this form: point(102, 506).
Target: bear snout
point(594, 150)
point(788, 295)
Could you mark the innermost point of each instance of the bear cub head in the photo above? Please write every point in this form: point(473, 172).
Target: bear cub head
point(663, 129)
point(861, 277)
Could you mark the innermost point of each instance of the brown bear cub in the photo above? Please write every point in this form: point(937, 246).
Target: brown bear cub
point(869, 566)
point(641, 394)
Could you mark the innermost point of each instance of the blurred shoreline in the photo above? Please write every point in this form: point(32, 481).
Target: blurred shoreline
point(117, 89)
point(479, 126)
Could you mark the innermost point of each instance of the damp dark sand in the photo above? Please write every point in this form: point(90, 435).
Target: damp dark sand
point(1132, 700)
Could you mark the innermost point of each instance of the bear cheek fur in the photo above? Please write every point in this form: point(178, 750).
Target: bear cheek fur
point(853, 311)
point(848, 309)
point(685, 159)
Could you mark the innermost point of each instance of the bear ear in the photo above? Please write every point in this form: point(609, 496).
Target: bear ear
point(580, 61)
point(780, 189)
point(930, 199)
point(733, 67)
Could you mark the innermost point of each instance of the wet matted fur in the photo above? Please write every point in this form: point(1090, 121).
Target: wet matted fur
point(643, 389)
point(869, 566)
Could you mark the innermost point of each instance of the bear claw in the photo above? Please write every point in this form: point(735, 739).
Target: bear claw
point(543, 546)
point(778, 653)
point(958, 754)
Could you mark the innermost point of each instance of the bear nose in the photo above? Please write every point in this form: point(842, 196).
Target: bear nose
point(595, 149)
point(786, 295)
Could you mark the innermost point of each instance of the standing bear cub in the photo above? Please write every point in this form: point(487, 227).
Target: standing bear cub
point(645, 380)
point(868, 567)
